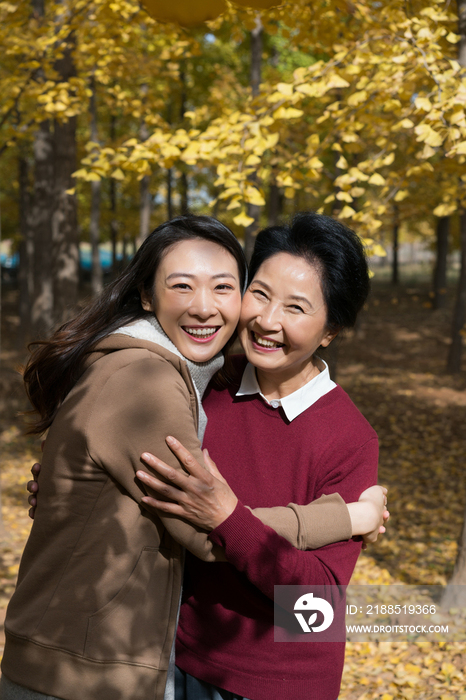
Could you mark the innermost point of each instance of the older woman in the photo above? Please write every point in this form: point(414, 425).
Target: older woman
point(282, 432)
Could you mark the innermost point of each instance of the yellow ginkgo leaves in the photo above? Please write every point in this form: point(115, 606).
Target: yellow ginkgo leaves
point(445, 209)
point(243, 220)
point(375, 112)
point(427, 134)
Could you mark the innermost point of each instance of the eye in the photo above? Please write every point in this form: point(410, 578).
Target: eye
point(296, 308)
point(224, 287)
point(181, 285)
point(258, 293)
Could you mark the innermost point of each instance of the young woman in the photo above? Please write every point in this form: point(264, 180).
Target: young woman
point(282, 432)
point(94, 612)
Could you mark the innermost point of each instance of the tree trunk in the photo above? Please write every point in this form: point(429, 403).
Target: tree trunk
point(395, 248)
point(184, 203)
point(455, 592)
point(38, 8)
point(256, 56)
point(113, 227)
point(41, 312)
point(145, 199)
point(256, 65)
point(94, 237)
point(145, 202)
point(0, 289)
point(440, 270)
point(251, 230)
point(169, 194)
point(2, 529)
point(336, 204)
point(26, 254)
point(64, 220)
point(94, 224)
point(459, 314)
point(113, 207)
point(64, 224)
point(462, 32)
point(184, 199)
point(275, 204)
point(125, 250)
point(145, 209)
point(41, 222)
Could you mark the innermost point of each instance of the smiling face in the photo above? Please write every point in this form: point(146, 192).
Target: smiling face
point(197, 297)
point(284, 320)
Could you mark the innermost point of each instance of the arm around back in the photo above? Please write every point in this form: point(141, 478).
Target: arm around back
point(321, 522)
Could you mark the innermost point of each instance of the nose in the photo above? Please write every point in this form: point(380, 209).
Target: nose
point(269, 318)
point(203, 305)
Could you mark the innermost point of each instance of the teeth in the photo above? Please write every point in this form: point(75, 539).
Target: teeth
point(201, 331)
point(266, 343)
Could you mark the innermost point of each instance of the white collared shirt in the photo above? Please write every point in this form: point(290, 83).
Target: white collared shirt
point(296, 403)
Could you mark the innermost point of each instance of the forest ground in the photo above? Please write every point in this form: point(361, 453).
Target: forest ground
point(393, 367)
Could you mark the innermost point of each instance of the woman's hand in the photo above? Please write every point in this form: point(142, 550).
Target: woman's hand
point(201, 496)
point(33, 488)
point(369, 514)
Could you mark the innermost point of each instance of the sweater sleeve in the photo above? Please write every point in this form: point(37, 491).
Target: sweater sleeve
point(267, 559)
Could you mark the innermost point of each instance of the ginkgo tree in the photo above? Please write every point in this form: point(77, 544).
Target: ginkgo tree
point(53, 53)
point(381, 108)
point(393, 76)
point(378, 107)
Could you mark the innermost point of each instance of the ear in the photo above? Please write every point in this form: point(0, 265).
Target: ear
point(328, 337)
point(146, 301)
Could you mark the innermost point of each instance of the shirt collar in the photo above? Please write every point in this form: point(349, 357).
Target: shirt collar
point(296, 403)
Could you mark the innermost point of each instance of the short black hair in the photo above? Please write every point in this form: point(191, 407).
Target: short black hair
point(335, 250)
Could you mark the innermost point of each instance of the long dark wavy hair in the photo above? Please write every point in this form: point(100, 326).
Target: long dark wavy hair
point(56, 364)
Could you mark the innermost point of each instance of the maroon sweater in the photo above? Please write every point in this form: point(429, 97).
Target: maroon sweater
point(225, 634)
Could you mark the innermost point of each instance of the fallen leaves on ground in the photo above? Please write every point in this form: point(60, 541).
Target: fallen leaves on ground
point(18, 455)
point(393, 368)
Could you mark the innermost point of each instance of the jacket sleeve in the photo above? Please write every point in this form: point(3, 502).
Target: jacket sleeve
point(324, 521)
point(268, 560)
point(139, 405)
